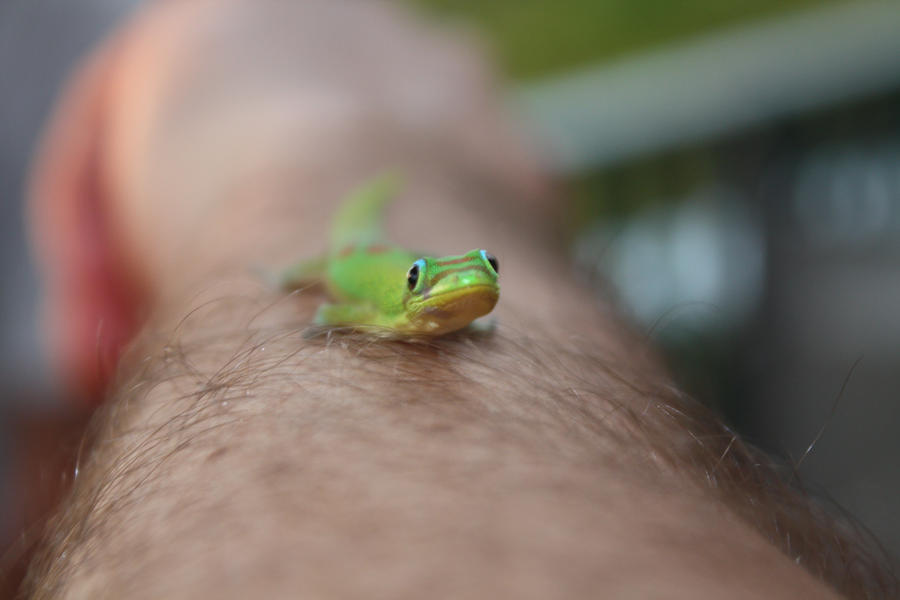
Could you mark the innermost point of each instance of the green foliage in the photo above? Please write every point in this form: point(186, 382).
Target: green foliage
point(629, 188)
point(537, 37)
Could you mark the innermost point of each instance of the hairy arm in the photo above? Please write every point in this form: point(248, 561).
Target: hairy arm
point(236, 458)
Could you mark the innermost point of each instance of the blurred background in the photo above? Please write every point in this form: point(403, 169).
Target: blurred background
point(734, 170)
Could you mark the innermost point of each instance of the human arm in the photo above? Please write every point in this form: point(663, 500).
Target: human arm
point(554, 459)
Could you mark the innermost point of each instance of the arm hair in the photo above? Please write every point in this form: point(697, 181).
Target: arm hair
point(523, 464)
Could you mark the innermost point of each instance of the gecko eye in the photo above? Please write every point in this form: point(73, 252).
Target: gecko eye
point(492, 260)
point(412, 276)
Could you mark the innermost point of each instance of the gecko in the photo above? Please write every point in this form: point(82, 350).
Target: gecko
point(379, 288)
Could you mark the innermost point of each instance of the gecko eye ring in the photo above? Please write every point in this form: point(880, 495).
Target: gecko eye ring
point(491, 260)
point(412, 276)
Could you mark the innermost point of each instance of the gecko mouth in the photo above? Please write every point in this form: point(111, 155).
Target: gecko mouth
point(471, 302)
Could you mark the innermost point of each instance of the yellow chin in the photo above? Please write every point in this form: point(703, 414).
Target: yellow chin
point(455, 309)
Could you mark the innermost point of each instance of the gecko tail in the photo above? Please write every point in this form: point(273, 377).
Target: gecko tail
point(358, 220)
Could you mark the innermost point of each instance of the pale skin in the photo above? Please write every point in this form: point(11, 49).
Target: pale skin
point(237, 458)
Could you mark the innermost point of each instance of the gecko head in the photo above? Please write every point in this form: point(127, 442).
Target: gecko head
point(446, 294)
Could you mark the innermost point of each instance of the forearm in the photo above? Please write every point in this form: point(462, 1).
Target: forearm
point(237, 451)
point(535, 459)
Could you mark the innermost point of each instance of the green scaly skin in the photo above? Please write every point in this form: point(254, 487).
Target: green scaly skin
point(380, 288)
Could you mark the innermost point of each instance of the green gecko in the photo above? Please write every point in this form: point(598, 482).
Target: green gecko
point(383, 289)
